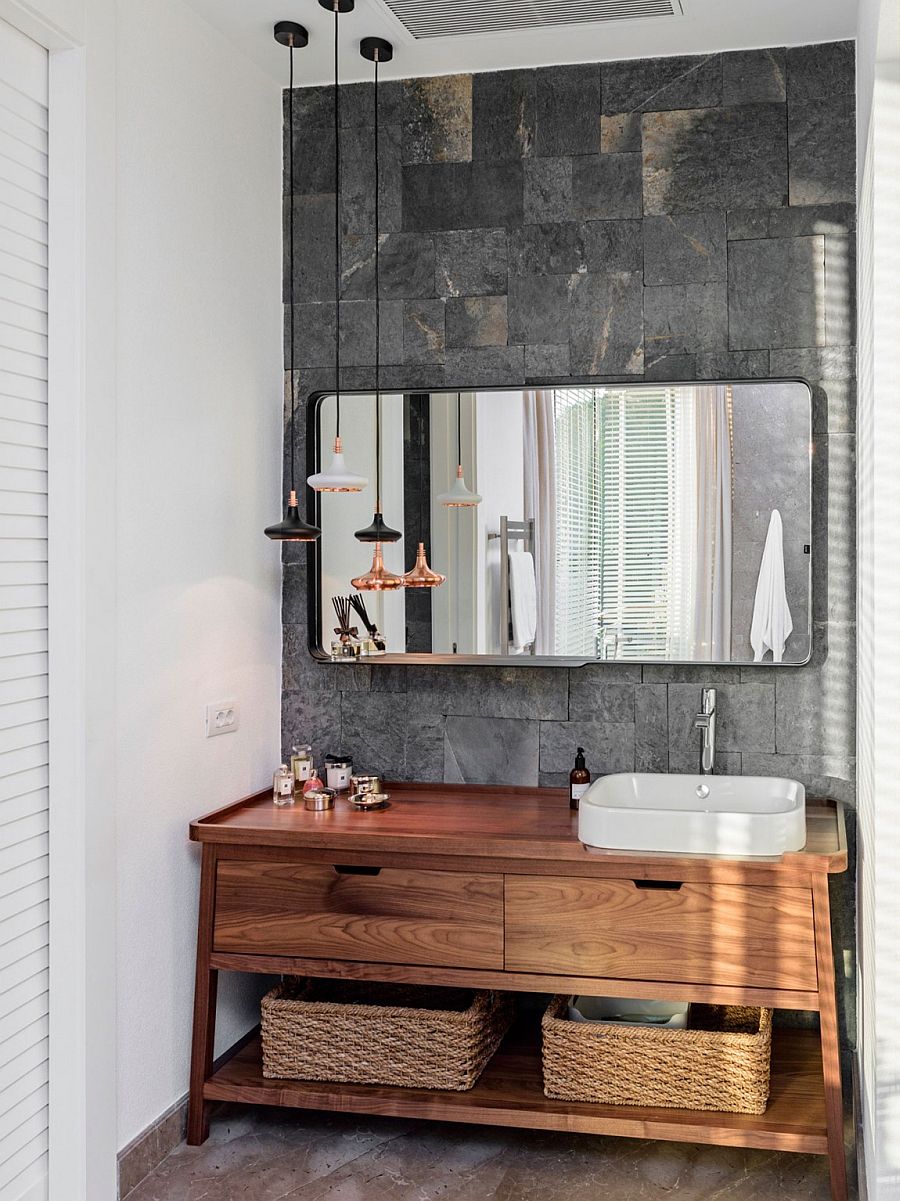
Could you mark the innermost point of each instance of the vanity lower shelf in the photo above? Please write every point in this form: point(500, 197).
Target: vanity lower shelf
point(510, 1093)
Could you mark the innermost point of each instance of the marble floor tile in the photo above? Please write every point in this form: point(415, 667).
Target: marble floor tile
point(285, 1155)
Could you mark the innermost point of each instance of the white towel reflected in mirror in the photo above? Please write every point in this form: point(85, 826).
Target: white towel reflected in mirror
point(522, 600)
point(771, 625)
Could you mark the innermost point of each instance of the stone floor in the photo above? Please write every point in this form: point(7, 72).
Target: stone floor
point(273, 1155)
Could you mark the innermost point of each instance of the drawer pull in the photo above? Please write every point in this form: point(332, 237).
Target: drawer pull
point(349, 869)
point(660, 885)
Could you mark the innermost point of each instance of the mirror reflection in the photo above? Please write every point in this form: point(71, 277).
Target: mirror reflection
point(641, 522)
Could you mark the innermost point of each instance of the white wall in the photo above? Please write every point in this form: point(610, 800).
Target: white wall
point(198, 586)
point(878, 754)
point(499, 443)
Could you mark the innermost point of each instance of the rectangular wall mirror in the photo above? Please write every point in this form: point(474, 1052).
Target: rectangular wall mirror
point(647, 523)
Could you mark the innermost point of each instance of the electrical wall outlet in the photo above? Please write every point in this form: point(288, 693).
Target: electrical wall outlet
point(223, 717)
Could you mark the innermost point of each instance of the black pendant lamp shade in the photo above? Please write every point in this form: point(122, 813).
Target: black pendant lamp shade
point(293, 528)
point(377, 50)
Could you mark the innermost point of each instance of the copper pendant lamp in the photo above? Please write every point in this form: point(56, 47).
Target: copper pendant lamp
point(293, 528)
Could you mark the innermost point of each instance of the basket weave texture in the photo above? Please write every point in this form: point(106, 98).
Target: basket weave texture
point(720, 1063)
point(381, 1033)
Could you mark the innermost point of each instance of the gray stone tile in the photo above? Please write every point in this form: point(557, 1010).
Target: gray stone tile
point(438, 196)
point(796, 220)
point(471, 262)
point(684, 248)
point(830, 371)
point(816, 705)
point(595, 698)
point(358, 177)
point(357, 266)
point(314, 333)
point(546, 362)
point(388, 677)
point(491, 750)
point(567, 110)
point(311, 717)
point(611, 246)
point(754, 76)
point(732, 364)
point(726, 158)
point(700, 674)
point(608, 748)
point(539, 308)
point(606, 330)
point(684, 318)
point(746, 716)
point(826, 69)
point(503, 113)
point(548, 189)
point(358, 332)
point(620, 133)
point(551, 248)
point(313, 249)
point(477, 321)
point(358, 103)
point(437, 119)
point(840, 289)
point(830, 777)
point(300, 672)
point(406, 266)
point(822, 150)
point(606, 186)
point(484, 366)
point(671, 367)
point(655, 84)
point(775, 293)
point(651, 728)
point(374, 729)
point(747, 223)
point(530, 692)
point(424, 747)
point(423, 331)
point(313, 140)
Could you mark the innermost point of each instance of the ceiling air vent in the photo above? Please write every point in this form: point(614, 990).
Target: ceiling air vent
point(452, 18)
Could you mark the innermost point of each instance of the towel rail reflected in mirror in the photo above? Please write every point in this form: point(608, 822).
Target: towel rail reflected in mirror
point(647, 522)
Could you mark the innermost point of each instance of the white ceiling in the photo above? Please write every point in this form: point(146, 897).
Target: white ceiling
point(707, 25)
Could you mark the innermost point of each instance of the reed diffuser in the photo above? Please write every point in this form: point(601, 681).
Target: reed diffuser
point(347, 645)
point(374, 644)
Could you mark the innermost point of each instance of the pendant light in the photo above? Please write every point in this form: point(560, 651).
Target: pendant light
point(378, 578)
point(421, 575)
point(337, 477)
point(459, 496)
point(293, 528)
point(377, 50)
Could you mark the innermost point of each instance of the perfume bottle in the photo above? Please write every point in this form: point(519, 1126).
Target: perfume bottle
point(283, 786)
point(301, 763)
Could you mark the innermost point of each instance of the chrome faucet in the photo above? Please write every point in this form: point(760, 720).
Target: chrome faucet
point(705, 722)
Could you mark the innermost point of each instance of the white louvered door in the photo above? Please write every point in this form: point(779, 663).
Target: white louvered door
point(24, 862)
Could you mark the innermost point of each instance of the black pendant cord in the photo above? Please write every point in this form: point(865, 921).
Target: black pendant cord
point(291, 257)
point(337, 230)
point(458, 430)
point(377, 315)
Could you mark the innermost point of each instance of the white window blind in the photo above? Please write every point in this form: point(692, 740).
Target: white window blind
point(24, 863)
point(615, 480)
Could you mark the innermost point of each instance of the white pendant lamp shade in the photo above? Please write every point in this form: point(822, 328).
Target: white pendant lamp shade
point(337, 477)
point(459, 496)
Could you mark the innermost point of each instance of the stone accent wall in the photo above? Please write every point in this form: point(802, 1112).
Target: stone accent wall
point(682, 218)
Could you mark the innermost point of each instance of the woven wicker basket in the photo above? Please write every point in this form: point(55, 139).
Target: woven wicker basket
point(720, 1062)
point(381, 1033)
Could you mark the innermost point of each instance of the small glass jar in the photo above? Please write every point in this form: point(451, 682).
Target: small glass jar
point(301, 763)
point(283, 786)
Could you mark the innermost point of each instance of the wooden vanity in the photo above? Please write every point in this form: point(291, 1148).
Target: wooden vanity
point(490, 888)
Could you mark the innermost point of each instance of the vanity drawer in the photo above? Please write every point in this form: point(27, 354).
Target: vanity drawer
point(387, 915)
point(698, 933)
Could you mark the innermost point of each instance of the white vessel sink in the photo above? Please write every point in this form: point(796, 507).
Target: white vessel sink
point(701, 815)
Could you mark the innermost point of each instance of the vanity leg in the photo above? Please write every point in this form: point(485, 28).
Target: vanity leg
point(204, 1003)
point(831, 1052)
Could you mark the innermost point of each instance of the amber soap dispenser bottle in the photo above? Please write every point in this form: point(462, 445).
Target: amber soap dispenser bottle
point(579, 779)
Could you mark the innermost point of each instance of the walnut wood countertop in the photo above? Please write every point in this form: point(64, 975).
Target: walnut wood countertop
point(491, 823)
